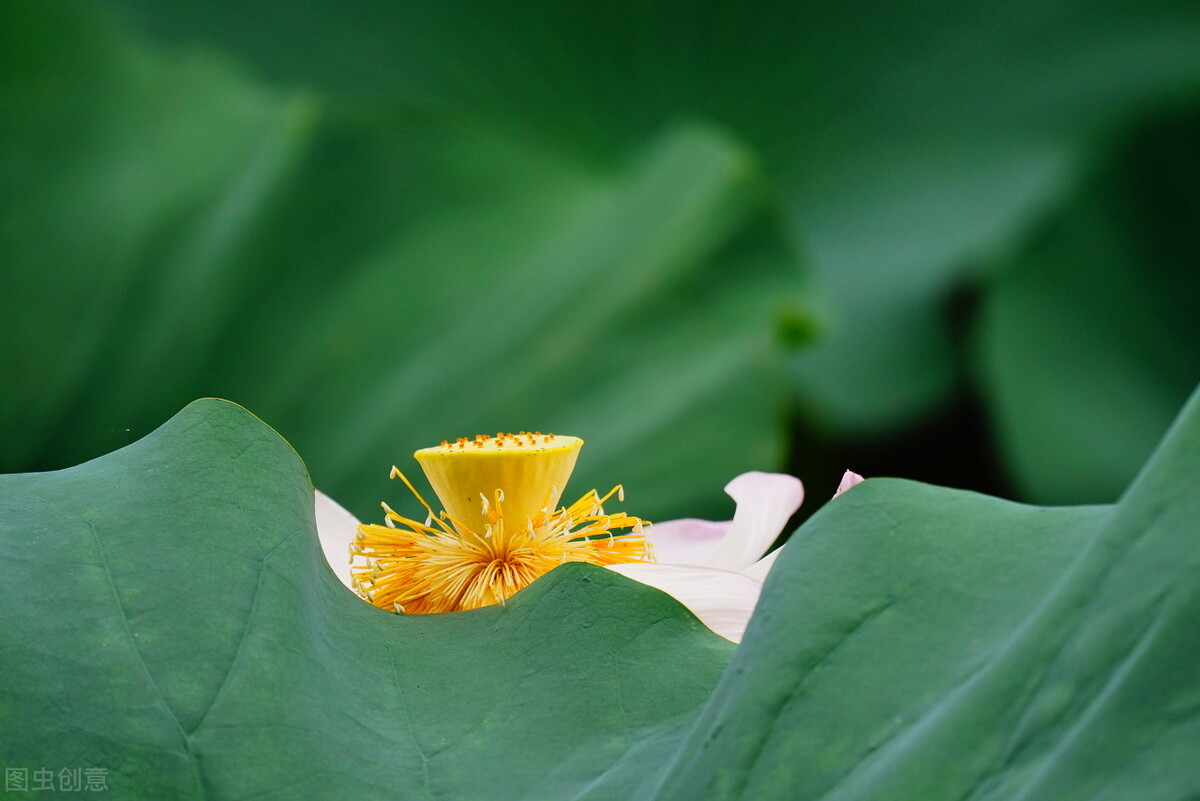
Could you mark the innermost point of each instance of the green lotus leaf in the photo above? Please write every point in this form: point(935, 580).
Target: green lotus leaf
point(167, 616)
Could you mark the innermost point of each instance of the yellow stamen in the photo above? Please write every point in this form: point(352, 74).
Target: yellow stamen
point(501, 529)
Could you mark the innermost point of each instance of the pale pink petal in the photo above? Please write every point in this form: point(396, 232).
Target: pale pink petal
point(848, 480)
point(335, 528)
point(685, 542)
point(721, 599)
point(765, 501)
point(762, 567)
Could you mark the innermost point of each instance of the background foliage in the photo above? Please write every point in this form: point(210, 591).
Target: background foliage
point(941, 240)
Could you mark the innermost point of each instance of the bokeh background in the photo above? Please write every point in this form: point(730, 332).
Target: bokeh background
point(950, 241)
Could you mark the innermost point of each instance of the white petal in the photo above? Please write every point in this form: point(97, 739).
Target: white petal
point(762, 567)
point(336, 529)
point(722, 599)
point(685, 542)
point(765, 501)
point(849, 480)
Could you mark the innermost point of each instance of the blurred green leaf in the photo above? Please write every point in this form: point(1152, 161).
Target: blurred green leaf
point(168, 615)
point(374, 278)
point(902, 138)
point(1090, 339)
point(105, 152)
point(643, 181)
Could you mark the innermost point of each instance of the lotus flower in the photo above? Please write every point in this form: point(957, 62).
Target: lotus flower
point(716, 569)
